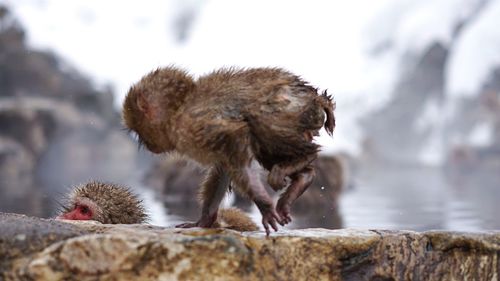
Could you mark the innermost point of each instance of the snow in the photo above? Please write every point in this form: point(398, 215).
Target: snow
point(431, 121)
point(411, 26)
point(432, 153)
point(431, 113)
point(111, 41)
point(475, 54)
point(481, 135)
point(155, 208)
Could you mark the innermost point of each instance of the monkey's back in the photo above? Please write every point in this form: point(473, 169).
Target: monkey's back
point(271, 110)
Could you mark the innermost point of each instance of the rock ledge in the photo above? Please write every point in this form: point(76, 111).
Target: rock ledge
point(41, 249)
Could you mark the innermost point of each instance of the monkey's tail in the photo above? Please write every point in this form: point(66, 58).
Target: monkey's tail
point(328, 105)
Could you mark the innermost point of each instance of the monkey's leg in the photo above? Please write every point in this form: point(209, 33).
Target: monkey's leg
point(212, 192)
point(300, 182)
point(279, 172)
point(249, 182)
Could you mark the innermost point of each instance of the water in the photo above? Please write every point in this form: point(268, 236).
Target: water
point(397, 198)
point(422, 199)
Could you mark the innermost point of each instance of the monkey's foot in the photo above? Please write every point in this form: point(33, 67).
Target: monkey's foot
point(276, 178)
point(187, 225)
point(205, 221)
point(193, 224)
point(283, 209)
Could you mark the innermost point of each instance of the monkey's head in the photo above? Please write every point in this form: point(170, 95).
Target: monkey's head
point(104, 202)
point(151, 103)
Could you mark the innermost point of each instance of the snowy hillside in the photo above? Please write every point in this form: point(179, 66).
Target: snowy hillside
point(398, 68)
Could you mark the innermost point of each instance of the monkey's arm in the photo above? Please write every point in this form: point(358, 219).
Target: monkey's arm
point(301, 173)
point(300, 182)
point(279, 172)
point(212, 192)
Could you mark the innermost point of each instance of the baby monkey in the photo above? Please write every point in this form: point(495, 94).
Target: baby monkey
point(103, 202)
point(114, 204)
point(228, 121)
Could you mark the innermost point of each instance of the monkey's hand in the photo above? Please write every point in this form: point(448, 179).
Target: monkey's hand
point(283, 209)
point(276, 178)
point(269, 217)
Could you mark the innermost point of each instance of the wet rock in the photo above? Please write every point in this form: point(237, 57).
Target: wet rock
point(17, 166)
point(41, 249)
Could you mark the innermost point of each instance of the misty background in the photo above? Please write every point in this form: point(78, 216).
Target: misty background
point(417, 86)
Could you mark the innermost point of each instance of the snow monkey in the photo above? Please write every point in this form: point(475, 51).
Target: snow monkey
point(115, 204)
point(231, 121)
point(103, 202)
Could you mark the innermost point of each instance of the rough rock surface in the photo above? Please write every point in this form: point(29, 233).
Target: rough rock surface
point(40, 249)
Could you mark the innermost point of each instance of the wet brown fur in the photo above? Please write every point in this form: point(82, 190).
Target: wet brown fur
point(229, 118)
point(116, 204)
point(236, 219)
point(225, 111)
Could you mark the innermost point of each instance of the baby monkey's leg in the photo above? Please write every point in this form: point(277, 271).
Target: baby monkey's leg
point(249, 182)
point(279, 172)
point(300, 182)
point(212, 192)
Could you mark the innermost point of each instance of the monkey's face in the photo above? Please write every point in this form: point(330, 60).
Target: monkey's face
point(81, 209)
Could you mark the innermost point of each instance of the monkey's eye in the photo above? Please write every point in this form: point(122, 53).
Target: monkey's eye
point(84, 210)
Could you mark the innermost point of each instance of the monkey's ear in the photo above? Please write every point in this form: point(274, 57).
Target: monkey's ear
point(150, 111)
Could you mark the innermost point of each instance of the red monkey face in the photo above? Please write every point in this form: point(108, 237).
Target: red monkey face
point(80, 212)
point(83, 209)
